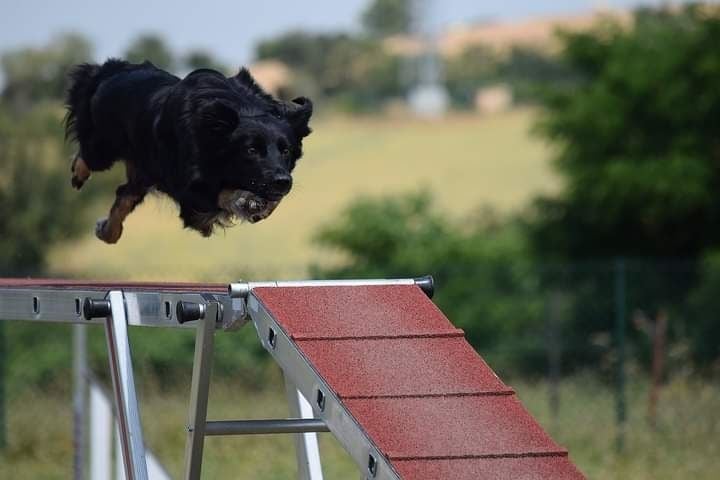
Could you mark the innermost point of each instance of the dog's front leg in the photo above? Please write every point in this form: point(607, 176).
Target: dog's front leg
point(127, 197)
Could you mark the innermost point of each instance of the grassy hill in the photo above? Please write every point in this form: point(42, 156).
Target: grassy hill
point(685, 444)
point(465, 160)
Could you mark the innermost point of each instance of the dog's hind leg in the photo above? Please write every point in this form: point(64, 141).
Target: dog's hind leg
point(127, 197)
point(80, 172)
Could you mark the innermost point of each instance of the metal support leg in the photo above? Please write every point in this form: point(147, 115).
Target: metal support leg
point(202, 367)
point(306, 444)
point(102, 430)
point(128, 413)
point(79, 399)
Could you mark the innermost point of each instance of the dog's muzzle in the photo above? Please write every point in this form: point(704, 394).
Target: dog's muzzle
point(246, 205)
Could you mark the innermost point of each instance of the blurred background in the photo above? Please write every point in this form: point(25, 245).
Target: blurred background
point(554, 164)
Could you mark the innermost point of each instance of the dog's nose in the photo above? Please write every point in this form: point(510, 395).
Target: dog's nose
point(281, 183)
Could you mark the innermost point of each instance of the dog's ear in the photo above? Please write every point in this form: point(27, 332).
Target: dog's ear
point(298, 114)
point(217, 117)
point(245, 78)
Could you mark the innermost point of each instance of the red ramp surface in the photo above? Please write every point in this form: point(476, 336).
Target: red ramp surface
point(424, 398)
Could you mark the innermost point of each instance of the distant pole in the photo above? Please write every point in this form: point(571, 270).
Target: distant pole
point(3, 366)
point(659, 340)
point(79, 399)
point(620, 300)
point(554, 311)
point(428, 98)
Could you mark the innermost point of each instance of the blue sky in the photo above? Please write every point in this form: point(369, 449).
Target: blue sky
point(229, 29)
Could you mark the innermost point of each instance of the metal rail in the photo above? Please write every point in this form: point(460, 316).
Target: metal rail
point(243, 289)
point(265, 427)
point(144, 308)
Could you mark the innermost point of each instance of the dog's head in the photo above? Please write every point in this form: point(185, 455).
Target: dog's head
point(248, 141)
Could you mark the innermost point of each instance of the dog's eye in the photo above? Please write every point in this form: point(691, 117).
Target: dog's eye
point(286, 152)
point(252, 151)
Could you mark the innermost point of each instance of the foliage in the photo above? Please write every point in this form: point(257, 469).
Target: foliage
point(355, 71)
point(153, 48)
point(526, 70)
point(529, 70)
point(638, 149)
point(388, 17)
point(488, 285)
point(637, 139)
point(474, 68)
point(199, 58)
point(299, 49)
point(36, 74)
point(704, 305)
point(37, 205)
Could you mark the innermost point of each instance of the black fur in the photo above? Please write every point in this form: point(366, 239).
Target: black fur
point(191, 138)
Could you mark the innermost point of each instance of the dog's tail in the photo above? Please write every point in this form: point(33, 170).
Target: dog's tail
point(84, 81)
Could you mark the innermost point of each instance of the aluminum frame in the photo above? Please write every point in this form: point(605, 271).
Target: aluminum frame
point(152, 308)
point(265, 427)
point(128, 412)
point(243, 289)
point(199, 392)
point(80, 400)
point(135, 307)
point(144, 308)
point(307, 450)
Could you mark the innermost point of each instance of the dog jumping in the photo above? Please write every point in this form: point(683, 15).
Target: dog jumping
point(222, 148)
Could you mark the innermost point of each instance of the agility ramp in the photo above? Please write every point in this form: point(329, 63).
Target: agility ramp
point(372, 361)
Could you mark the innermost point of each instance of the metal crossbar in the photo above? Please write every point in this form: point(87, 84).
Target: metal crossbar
point(207, 312)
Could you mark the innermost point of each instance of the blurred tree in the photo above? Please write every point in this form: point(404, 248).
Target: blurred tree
point(465, 73)
point(388, 17)
point(355, 71)
point(198, 58)
point(35, 74)
point(153, 48)
point(488, 281)
point(529, 70)
point(38, 208)
point(638, 149)
point(303, 50)
point(526, 70)
point(704, 327)
point(638, 141)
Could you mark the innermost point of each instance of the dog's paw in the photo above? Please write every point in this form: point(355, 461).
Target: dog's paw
point(77, 182)
point(80, 172)
point(105, 231)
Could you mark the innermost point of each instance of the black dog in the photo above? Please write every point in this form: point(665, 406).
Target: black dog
point(220, 147)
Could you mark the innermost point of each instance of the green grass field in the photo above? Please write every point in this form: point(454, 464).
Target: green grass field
point(686, 443)
point(466, 161)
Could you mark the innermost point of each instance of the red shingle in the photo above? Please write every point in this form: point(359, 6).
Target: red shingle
point(402, 366)
point(446, 427)
point(525, 468)
point(351, 312)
